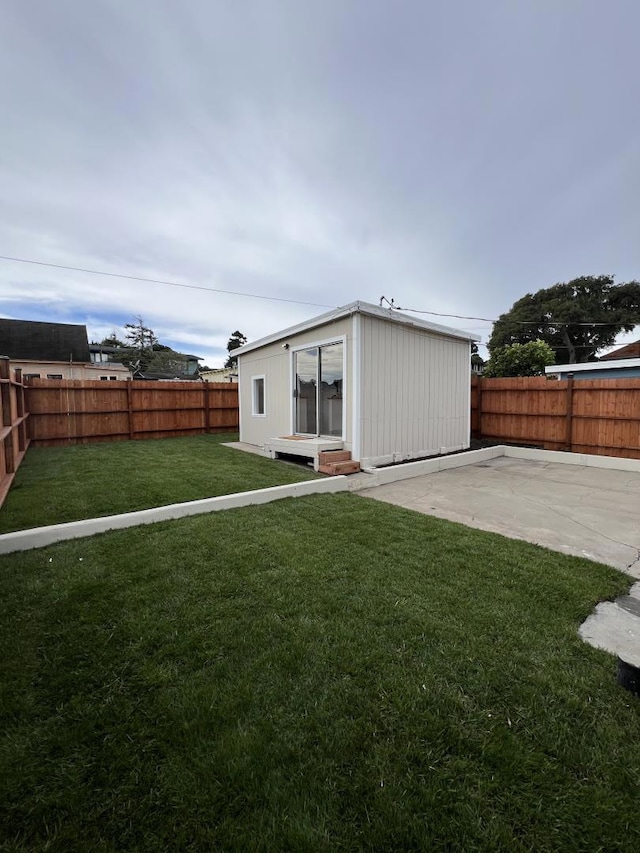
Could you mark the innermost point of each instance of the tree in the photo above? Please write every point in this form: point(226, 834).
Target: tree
point(236, 340)
point(528, 359)
point(112, 340)
point(576, 318)
point(165, 360)
point(140, 337)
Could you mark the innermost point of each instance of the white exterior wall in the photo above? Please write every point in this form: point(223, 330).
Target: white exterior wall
point(414, 392)
point(276, 365)
point(71, 370)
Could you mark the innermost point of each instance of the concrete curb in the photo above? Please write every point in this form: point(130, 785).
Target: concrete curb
point(38, 537)
point(589, 460)
point(382, 476)
point(393, 473)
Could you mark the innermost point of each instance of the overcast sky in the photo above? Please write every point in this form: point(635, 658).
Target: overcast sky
point(451, 155)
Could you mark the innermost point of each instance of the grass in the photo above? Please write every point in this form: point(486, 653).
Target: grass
point(325, 674)
point(58, 484)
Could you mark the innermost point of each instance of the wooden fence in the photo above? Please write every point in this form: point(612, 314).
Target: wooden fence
point(77, 411)
point(13, 432)
point(600, 416)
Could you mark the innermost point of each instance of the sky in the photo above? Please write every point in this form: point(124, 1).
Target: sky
point(452, 156)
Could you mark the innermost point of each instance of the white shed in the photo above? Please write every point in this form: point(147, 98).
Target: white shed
point(372, 381)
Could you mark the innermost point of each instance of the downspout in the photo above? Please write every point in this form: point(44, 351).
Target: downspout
point(356, 442)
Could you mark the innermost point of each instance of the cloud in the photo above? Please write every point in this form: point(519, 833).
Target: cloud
point(453, 157)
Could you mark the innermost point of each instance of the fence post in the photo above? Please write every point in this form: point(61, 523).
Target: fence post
point(207, 408)
point(5, 390)
point(479, 408)
point(569, 420)
point(130, 408)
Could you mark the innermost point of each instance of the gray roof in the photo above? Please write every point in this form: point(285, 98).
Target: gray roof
point(390, 314)
point(29, 339)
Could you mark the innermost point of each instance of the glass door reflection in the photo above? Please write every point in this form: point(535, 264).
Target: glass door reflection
point(318, 403)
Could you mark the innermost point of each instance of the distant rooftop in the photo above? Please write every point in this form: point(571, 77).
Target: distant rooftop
point(30, 339)
point(631, 350)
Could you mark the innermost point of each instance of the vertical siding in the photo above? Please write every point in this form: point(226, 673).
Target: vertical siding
point(274, 363)
point(414, 394)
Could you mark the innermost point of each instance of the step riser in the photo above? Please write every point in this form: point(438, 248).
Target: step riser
point(336, 468)
point(328, 457)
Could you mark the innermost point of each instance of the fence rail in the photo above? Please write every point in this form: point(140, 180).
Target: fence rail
point(599, 416)
point(13, 432)
point(78, 411)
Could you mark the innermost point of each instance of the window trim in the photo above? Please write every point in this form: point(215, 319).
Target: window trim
point(254, 396)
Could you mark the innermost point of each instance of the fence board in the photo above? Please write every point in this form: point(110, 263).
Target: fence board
point(78, 411)
point(600, 416)
point(14, 414)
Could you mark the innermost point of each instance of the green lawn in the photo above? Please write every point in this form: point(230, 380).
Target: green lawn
point(320, 674)
point(57, 484)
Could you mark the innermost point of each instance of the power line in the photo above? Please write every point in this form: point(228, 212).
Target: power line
point(391, 303)
point(215, 289)
point(169, 283)
point(161, 281)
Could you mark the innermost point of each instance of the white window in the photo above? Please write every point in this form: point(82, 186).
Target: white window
point(258, 408)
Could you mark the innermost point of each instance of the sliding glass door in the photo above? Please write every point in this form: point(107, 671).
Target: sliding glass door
point(318, 381)
point(306, 391)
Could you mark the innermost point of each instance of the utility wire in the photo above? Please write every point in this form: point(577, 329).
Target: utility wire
point(161, 281)
point(391, 302)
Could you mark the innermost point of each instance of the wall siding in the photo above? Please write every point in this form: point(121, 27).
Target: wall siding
point(414, 393)
point(274, 363)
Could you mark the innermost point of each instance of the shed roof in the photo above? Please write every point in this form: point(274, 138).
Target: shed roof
point(389, 314)
point(592, 365)
point(31, 339)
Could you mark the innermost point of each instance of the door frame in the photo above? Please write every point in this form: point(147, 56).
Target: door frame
point(336, 339)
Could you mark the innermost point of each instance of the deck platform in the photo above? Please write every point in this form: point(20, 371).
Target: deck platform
point(301, 445)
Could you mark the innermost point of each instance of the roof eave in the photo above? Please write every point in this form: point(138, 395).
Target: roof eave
point(357, 307)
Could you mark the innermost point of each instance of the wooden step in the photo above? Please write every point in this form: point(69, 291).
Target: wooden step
point(348, 466)
point(326, 457)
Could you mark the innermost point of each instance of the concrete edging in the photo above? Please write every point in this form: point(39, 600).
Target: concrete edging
point(383, 476)
point(589, 460)
point(39, 537)
point(407, 470)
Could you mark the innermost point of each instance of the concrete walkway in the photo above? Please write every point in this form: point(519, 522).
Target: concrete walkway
point(615, 627)
point(588, 512)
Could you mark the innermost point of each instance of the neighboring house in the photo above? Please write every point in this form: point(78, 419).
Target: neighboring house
point(53, 351)
point(220, 374)
point(177, 366)
point(168, 363)
point(628, 351)
point(477, 364)
point(379, 384)
point(617, 369)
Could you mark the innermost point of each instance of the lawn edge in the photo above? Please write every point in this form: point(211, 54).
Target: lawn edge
point(40, 537)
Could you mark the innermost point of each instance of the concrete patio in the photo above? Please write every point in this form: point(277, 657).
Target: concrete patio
point(581, 510)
